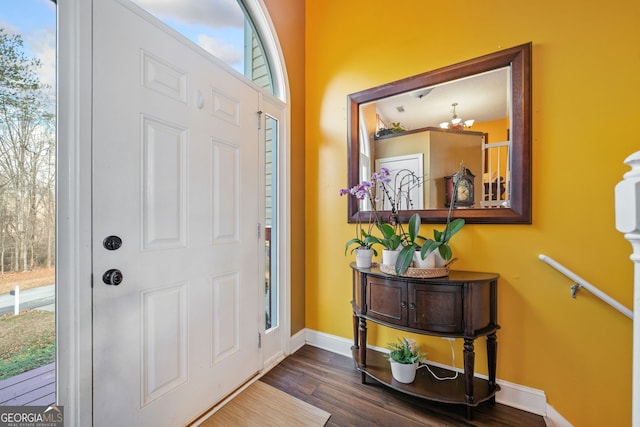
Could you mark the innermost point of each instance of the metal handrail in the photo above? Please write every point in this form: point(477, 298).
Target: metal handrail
point(581, 283)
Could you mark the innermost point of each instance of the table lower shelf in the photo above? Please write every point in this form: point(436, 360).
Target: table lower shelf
point(425, 385)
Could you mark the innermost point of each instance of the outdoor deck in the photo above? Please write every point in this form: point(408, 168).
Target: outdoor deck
point(33, 388)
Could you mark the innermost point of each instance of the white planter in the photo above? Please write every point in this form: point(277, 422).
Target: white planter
point(402, 372)
point(363, 258)
point(389, 257)
point(433, 260)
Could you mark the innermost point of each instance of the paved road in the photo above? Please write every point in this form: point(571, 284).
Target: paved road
point(42, 298)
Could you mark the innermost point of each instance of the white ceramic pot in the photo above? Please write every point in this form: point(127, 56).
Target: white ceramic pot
point(389, 257)
point(433, 260)
point(363, 257)
point(403, 372)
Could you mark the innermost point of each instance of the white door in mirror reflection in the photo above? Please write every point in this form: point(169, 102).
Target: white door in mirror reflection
point(406, 185)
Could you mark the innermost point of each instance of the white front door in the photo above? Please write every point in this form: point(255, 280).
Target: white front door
point(175, 161)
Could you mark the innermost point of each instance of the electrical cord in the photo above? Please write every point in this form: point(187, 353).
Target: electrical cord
point(453, 363)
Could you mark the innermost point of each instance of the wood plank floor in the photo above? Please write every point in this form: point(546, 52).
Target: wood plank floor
point(35, 387)
point(331, 382)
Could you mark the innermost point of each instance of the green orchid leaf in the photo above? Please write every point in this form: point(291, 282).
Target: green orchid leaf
point(386, 230)
point(428, 247)
point(445, 252)
point(404, 259)
point(369, 241)
point(394, 242)
point(353, 241)
point(414, 227)
point(454, 226)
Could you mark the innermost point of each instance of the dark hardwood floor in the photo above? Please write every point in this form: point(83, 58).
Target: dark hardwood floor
point(331, 382)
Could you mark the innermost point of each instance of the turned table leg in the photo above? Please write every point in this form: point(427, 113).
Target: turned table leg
point(492, 356)
point(469, 362)
point(363, 346)
point(356, 338)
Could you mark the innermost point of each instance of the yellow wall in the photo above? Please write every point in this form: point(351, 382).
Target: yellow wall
point(586, 63)
point(496, 130)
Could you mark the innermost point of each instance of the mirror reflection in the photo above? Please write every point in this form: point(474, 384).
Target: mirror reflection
point(474, 114)
point(429, 131)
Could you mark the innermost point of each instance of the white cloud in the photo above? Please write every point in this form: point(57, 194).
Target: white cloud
point(221, 50)
point(211, 13)
point(43, 46)
point(8, 27)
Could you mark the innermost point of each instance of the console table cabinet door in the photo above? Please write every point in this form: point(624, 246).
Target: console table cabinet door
point(436, 308)
point(386, 300)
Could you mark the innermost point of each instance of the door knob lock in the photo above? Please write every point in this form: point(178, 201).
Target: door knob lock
point(112, 277)
point(112, 243)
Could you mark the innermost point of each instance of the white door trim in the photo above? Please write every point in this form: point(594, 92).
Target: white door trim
point(271, 44)
point(73, 229)
point(73, 258)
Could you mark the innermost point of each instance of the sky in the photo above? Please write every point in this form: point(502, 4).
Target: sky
point(35, 21)
point(215, 25)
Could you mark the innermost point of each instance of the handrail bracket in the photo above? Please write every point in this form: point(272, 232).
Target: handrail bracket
point(574, 290)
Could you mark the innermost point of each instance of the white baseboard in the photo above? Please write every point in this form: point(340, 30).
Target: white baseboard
point(325, 341)
point(298, 340)
point(555, 419)
point(514, 395)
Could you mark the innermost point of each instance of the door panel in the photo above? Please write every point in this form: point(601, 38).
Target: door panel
point(164, 184)
point(225, 191)
point(175, 163)
point(164, 341)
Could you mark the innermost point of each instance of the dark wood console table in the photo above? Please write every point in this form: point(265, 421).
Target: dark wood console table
point(461, 305)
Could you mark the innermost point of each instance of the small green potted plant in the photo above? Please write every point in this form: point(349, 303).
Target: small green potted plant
point(394, 128)
point(404, 357)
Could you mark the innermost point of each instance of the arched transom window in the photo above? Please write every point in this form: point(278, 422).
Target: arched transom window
point(223, 28)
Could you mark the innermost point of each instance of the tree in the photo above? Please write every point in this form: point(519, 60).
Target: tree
point(27, 146)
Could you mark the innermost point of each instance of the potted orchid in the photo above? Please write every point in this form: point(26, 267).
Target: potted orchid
point(383, 192)
point(401, 248)
point(391, 241)
point(380, 192)
point(393, 194)
point(364, 239)
point(418, 248)
point(364, 248)
point(440, 241)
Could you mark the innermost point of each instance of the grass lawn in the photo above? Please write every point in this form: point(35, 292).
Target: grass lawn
point(27, 341)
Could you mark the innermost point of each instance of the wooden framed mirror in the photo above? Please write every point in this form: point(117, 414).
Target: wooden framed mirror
point(467, 89)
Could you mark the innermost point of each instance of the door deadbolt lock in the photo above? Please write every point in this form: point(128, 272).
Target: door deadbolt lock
point(112, 243)
point(112, 277)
